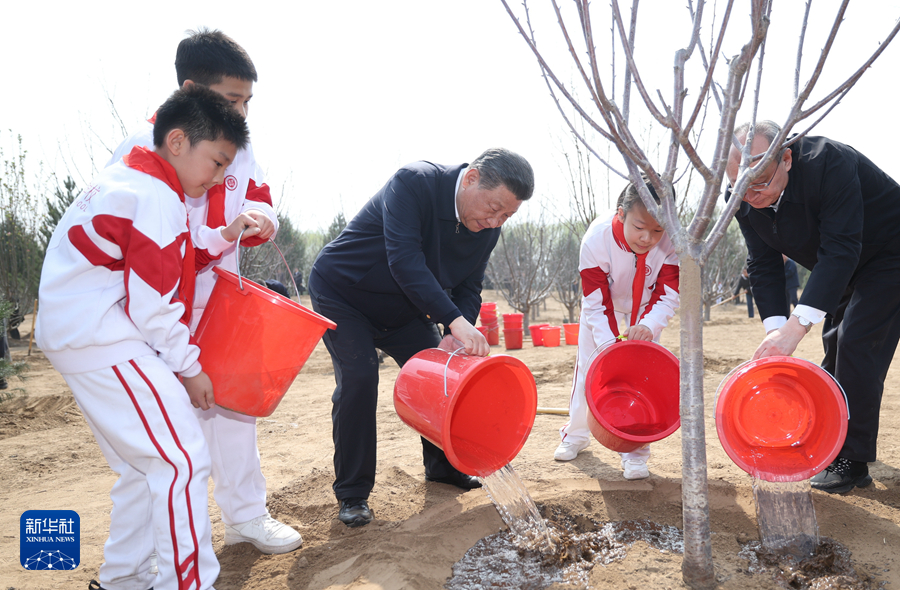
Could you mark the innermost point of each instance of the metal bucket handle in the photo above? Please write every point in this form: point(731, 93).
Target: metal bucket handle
point(237, 256)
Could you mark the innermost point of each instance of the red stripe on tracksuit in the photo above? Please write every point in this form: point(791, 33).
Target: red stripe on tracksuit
point(194, 578)
point(668, 277)
point(593, 279)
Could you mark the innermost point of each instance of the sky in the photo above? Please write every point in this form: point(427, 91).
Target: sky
point(350, 91)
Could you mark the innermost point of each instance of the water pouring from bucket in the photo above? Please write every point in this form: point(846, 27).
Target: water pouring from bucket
point(478, 410)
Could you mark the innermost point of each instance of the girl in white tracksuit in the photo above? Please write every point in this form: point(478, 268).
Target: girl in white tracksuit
point(613, 251)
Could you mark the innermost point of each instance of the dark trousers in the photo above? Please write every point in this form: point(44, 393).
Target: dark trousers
point(352, 347)
point(860, 340)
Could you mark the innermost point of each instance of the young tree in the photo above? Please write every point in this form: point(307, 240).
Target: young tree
point(56, 207)
point(682, 116)
point(567, 286)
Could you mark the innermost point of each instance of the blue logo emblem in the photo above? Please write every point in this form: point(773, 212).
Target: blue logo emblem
point(50, 539)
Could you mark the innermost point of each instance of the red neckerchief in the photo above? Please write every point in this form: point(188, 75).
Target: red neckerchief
point(640, 269)
point(149, 162)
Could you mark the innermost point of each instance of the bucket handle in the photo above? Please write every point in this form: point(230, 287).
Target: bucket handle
point(601, 347)
point(447, 365)
point(237, 256)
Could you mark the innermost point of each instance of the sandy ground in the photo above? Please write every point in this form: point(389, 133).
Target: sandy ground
point(50, 461)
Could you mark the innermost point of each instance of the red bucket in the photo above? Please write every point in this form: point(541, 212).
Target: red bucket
point(492, 334)
point(632, 391)
point(550, 335)
point(479, 410)
point(536, 337)
point(571, 331)
point(781, 418)
point(513, 338)
point(512, 321)
point(253, 343)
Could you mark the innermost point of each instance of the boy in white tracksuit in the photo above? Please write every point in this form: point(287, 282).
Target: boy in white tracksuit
point(115, 295)
point(613, 251)
point(214, 60)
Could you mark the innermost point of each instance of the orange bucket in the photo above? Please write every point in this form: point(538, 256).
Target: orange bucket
point(536, 337)
point(253, 343)
point(571, 331)
point(550, 335)
point(781, 418)
point(632, 391)
point(479, 410)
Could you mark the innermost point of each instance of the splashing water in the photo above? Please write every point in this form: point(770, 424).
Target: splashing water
point(517, 509)
point(786, 517)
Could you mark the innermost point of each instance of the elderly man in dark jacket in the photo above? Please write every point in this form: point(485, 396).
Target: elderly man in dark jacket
point(829, 208)
point(413, 257)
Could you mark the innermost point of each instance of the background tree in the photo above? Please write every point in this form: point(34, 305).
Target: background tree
point(56, 207)
point(523, 265)
point(725, 81)
point(337, 226)
point(567, 286)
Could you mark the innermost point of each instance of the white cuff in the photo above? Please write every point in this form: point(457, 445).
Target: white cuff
point(774, 322)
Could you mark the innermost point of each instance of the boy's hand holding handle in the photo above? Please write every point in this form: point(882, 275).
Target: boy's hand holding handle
point(242, 222)
point(638, 332)
point(200, 390)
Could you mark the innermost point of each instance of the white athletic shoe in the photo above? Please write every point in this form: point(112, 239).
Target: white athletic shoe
point(566, 451)
point(635, 468)
point(267, 534)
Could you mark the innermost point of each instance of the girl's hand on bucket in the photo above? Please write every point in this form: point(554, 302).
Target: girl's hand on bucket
point(639, 332)
point(470, 337)
point(200, 390)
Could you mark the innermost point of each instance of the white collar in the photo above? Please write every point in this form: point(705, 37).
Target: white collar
point(456, 192)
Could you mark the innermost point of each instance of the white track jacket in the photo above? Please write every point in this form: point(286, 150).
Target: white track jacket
point(243, 190)
point(607, 266)
point(112, 286)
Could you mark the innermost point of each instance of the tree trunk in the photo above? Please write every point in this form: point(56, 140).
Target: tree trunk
point(697, 567)
point(707, 311)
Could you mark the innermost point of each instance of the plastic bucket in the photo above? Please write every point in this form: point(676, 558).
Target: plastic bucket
point(479, 410)
point(493, 334)
point(781, 418)
point(632, 390)
point(483, 330)
point(536, 337)
point(253, 343)
point(571, 331)
point(513, 320)
point(550, 335)
point(489, 306)
point(513, 338)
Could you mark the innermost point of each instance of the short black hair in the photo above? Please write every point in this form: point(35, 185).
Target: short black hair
point(206, 56)
point(498, 166)
point(202, 114)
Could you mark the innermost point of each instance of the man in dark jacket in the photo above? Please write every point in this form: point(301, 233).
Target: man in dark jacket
point(829, 208)
point(413, 257)
point(791, 282)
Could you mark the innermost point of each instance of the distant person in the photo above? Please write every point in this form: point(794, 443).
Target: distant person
point(115, 294)
point(212, 59)
point(611, 250)
point(278, 287)
point(832, 210)
point(744, 285)
point(791, 281)
point(413, 257)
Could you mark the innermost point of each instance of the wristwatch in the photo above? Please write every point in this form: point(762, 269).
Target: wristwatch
point(807, 324)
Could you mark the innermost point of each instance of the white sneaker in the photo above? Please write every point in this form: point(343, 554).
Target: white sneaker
point(566, 451)
point(267, 534)
point(635, 468)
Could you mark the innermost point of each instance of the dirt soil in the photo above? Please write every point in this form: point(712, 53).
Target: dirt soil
point(51, 461)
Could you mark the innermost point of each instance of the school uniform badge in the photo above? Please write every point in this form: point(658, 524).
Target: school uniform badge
point(49, 540)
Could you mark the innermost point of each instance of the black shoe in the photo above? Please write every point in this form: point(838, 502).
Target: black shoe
point(355, 512)
point(458, 479)
point(95, 585)
point(842, 476)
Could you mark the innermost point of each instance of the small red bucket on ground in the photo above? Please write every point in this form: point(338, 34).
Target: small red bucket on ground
point(253, 343)
point(479, 410)
point(513, 338)
point(781, 418)
point(571, 331)
point(493, 334)
point(483, 330)
point(550, 335)
point(632, 391)
point(536, 337)
point(512, 321)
